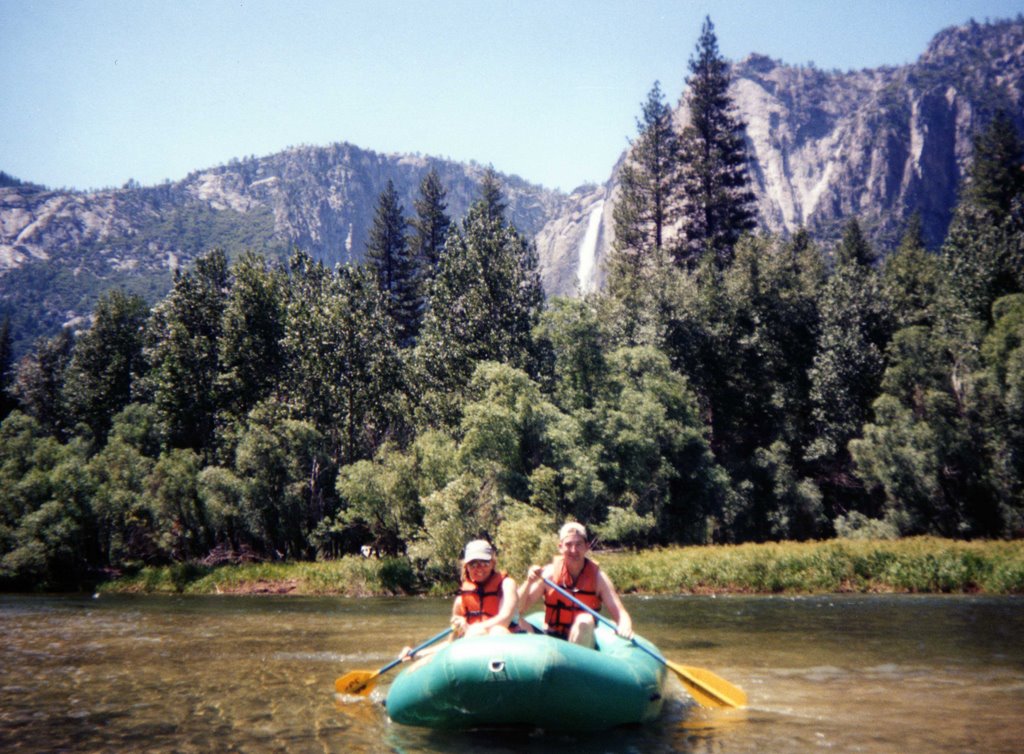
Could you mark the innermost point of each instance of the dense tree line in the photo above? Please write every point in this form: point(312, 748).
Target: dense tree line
point(726, 386)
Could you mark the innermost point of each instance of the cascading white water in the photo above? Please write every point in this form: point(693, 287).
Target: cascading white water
point(588, 249)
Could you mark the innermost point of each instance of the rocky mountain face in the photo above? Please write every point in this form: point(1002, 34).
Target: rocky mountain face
point(59, 250)
point(878, 144)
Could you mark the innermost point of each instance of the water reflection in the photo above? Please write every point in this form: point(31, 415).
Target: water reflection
point(859, 673)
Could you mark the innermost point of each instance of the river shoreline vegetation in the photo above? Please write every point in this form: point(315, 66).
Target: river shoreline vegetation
point(916, 565)
point(350, 429)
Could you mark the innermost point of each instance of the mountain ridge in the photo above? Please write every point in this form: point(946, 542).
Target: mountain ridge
point(877, 143)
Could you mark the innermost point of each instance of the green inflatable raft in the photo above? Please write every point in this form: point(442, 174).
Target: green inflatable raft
point(530, 680)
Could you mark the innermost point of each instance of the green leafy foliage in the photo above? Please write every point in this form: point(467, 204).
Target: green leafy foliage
point(760, 392)
point(849, 363)
point(106, 359)
point(382, 495)
point(251, 355)
point(39, 380)
point(344, 373)
point(485, 299)
point(182, 352)
point(45, 507)
point(1001, 392)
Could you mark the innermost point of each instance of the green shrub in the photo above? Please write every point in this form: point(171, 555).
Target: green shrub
point(183, 574)
point(920, 564)
point(396, 575)
point(858, 526)
point(624, 526)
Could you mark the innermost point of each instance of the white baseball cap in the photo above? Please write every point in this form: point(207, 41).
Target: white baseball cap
point(478, 549)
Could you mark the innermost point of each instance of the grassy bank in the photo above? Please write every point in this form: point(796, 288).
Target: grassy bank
point(920, 564)
point(349, 576)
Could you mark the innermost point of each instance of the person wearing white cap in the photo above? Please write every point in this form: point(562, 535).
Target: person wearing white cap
point(574, 572)
point(486, 601)
point(487, 598)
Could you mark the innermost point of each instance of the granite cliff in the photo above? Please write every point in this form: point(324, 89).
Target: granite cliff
point(878, 144)
point(59, 249)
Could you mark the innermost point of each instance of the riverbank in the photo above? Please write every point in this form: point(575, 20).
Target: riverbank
point(914, 565)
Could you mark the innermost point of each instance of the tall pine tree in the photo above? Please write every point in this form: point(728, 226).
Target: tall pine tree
point(911, 280)
point(717, 203)
point(646, 208)
point(99, 378)
point(984, 249)
point(430, 226)
point(388, 254)
point(6, 367)
point(430, 230)
point(182, 351)
point(492, 198)
point(484, 302)
point(996, 175)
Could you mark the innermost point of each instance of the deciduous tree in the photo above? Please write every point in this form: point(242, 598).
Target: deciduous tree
point(105, 361)
point(183, 347)
point(39, 382)
point(849, 362)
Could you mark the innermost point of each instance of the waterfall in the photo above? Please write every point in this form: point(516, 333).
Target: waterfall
point(588, 249)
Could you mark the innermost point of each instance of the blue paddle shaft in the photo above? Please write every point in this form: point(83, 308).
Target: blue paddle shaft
point(598, 616)
point(718, 689)
point(590, 610)
point(414, 650)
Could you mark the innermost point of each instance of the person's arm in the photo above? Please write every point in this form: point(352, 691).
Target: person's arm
point(610, 598)
point(532, 589)
point(405, 655)
point(458, 618)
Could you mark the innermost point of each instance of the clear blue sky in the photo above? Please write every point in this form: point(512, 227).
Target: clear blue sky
point(96, 92)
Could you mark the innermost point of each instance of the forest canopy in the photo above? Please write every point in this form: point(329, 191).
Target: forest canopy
point(726, 386)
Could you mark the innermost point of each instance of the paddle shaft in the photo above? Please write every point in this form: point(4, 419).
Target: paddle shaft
point(416, 649)
point(708, 690)
point(598, 616)
point(362, 681)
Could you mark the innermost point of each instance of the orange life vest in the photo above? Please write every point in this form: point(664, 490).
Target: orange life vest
point(559, 612)
point(481, 601)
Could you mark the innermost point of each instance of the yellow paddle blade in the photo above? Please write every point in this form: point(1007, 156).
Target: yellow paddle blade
point(359, 682)
point(707, 688)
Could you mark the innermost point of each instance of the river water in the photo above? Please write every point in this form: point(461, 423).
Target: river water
point(875, 674)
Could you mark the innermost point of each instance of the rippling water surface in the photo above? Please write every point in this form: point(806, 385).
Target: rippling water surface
point(875, 674)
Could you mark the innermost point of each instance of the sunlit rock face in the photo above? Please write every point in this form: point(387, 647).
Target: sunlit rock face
point(877, 144)
point(824, 146)
point(60, 249)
